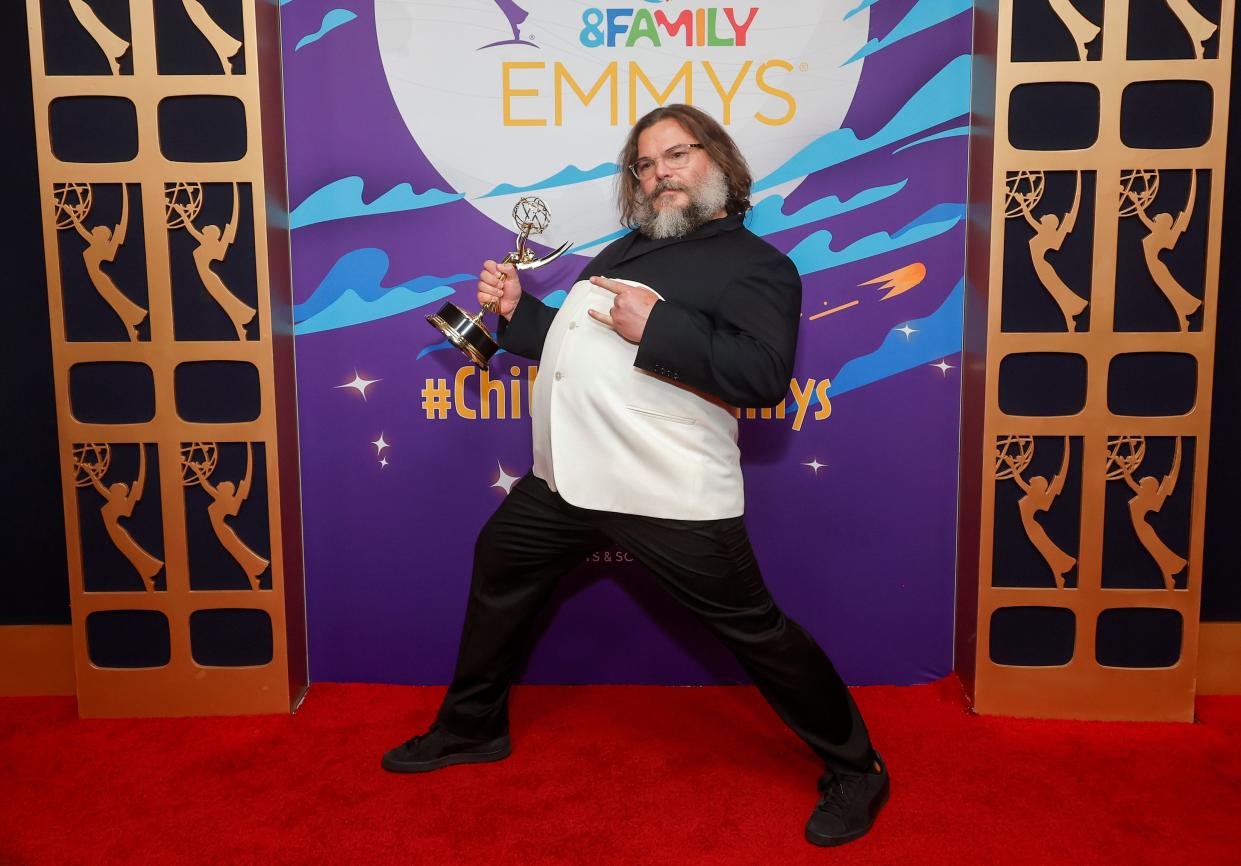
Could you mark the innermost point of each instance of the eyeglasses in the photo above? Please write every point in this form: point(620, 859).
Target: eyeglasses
point(676, 156)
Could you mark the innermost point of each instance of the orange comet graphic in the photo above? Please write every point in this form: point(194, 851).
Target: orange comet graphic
point(900, 281)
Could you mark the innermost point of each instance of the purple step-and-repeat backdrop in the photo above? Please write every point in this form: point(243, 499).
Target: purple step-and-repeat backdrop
point(413, 127)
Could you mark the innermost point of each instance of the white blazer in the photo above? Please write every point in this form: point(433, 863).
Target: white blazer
point(611, 437)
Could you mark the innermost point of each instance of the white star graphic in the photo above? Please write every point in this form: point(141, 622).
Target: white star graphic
point(943, 366)
point(380, 444)
point(906, 330)
point(359, 384)
point(815, 465)
point(505, 482)
point(383, 461)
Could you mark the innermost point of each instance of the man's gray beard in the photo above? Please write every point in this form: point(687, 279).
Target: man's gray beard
point(705, 201)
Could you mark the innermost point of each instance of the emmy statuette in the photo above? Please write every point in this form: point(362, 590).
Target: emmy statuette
point(467, 332)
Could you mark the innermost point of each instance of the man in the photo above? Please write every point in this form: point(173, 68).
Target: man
point(635, 443)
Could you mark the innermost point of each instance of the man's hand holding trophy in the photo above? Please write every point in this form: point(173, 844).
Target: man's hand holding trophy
point(499, 287)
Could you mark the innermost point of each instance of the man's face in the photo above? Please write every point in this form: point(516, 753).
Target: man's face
point(675, 184)
point(675, 200)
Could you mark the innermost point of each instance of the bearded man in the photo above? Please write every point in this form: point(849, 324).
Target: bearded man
point(635, 443)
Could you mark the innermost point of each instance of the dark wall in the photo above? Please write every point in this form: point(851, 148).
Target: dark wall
point(34, 583)
point(1221, 576)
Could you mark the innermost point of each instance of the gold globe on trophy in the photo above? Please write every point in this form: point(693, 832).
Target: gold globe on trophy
point(467, 332)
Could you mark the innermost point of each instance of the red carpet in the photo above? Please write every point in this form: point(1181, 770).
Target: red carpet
point(610, 774)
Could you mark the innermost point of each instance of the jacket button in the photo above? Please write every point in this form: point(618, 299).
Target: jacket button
point(572, 325)
point(559, 375)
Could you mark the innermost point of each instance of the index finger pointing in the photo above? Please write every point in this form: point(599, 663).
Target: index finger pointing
point(611, 285)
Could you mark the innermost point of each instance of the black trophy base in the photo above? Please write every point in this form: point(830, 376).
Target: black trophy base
point(465, 332)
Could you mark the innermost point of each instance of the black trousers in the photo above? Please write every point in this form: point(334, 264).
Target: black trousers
point(535, 537)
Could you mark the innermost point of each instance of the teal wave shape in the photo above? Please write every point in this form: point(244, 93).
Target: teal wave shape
point(924, 15)
point(814, 253)
point(936, 136)
point(768, 216)
point(567, 176)
point(342, 199)
point(331, 20)
point(944, 97)
point(937, 336)
point(598, 242)
point(865, 4)
point(352, 292)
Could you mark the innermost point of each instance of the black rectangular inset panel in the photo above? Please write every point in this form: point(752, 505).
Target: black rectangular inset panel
point(1152, 384)
point(1048, 251)
point(231, 637)
point(1164, 114)
point(211, 260)
point(228, 533)
point(1037, 519)
point(1039, 33)
point(1158, 32)
point(36, 588)
point(1150, 482)
point(70, 48)
point(1042, 383)
point(128, 639)
point(217, 392)
point(119, 517)
point(202, 128)
point(111, 392)
point(1138, 637)
point(1221, 572)
point(1032, 636)
point(102, 261)
point(93, 129)
point(198, 45)
point(1053, 116)
point(1161, 249)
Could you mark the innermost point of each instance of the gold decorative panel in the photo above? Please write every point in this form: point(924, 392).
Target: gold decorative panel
point(1093, 381)
point(178, 450)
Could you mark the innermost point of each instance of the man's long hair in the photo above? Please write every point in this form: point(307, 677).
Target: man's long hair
point(704, 130)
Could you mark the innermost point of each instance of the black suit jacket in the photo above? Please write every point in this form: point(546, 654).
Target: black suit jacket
point(727, 325)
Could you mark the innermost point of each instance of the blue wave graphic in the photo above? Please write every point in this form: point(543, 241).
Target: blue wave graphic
point(597, 242)
point(924, 15)
point(435, 347)
point(342, 199)
point(331, 20)
point(815, 252)
point(553, 299)
point(936, 136)
point(349, 309)
point(353, 292)
point(567, 176)
point(865, 4)
point(944, 212)
point(938, 336)
point(768, 215)
point(944, 97)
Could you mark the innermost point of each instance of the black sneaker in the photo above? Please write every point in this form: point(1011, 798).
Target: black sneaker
point(438, 748)
point(849, 805)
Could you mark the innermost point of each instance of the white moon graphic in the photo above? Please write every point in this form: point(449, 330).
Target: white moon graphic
point(447, 75)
